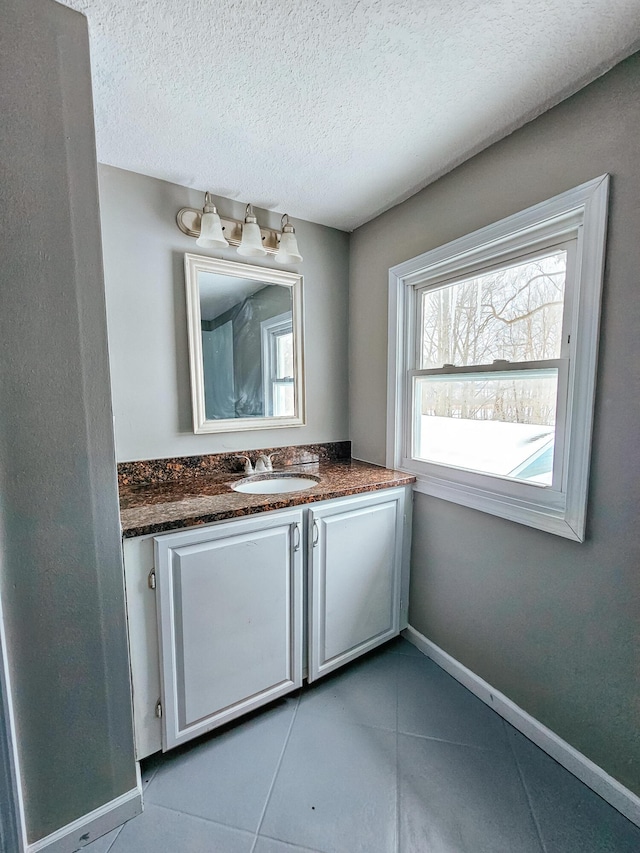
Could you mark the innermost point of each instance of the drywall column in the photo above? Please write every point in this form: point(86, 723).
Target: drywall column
point(60, 563)
point(551, 623)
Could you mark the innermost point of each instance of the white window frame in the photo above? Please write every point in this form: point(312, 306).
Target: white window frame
point(578, 215)
point(269, 330)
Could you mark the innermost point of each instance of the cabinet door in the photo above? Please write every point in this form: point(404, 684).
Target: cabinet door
point(229, 619)
point(355, 556)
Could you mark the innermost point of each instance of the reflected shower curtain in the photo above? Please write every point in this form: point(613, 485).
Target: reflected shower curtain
point(219, 386)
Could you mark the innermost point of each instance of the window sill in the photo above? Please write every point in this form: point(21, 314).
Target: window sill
point(545, 518)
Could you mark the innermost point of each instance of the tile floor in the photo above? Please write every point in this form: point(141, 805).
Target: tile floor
point(389, 755)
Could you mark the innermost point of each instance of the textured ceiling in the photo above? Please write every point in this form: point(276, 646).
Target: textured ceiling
point(333, 110)
point(218, 293)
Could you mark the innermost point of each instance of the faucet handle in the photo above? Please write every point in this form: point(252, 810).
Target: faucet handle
point(248, 467)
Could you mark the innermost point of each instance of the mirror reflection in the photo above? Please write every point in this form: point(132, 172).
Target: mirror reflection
point(245, 345)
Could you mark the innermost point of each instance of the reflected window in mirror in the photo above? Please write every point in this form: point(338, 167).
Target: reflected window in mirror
point(277, 365)
point(245, 337)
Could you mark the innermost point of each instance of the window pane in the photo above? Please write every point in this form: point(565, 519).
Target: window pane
point(283, 399)
point(284, 355)
point(513, 314)
point(495, 425)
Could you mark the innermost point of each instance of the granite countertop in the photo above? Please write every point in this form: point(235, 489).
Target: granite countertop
point(158, 507)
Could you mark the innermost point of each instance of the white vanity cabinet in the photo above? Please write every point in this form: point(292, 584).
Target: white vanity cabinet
point(229, 603)
point(217, 618)
point(355, 577)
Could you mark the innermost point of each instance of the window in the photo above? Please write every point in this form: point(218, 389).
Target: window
point(492, 358)
point(277, 366)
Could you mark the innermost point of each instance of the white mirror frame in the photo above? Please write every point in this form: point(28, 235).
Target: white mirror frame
point(194, 264)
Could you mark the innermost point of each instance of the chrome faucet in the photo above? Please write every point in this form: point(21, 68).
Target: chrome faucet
point(264, 463)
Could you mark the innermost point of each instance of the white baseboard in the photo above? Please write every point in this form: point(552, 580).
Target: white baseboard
point(621, 798)
point(86, 829)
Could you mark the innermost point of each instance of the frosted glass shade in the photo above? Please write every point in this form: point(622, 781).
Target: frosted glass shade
point(211, 236)
point(251, 244)
point(288, 252)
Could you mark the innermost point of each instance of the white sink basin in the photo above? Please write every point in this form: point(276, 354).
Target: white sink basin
point(269, 484)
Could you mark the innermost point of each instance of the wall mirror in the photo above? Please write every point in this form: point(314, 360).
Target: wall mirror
point(245, 345)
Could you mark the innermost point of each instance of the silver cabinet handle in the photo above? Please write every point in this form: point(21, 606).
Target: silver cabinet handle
point(316, 533)
point(296, 537)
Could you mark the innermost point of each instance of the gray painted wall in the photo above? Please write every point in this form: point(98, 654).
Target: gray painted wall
point(147, 324)
point(61, 576)
point(551, 623)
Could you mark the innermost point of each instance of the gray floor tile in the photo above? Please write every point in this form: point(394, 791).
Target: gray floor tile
point(364, 692)
point(431, 703)
point(400, 646)
point(226, 778)
point(336, 788)
point(159, 830)
point(103, 844)
point(458, 799)
point(571, 817)
point(270, 845)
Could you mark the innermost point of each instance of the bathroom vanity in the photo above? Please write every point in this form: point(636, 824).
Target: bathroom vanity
point(234, 598)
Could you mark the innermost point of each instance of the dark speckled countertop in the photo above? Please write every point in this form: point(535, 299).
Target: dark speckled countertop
point(187, 500)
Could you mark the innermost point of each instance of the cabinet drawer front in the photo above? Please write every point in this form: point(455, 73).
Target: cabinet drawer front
point(229, 613)
point(356, 557)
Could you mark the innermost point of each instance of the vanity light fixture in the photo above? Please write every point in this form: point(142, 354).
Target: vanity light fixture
point(251, 244)
point(288, 253)
point(211, 236)
point(251, 240)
